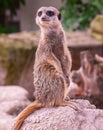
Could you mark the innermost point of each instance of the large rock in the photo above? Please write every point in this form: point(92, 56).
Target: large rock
point(96, 28)
point(13, 99)
point(97, 24)
point(65, 118)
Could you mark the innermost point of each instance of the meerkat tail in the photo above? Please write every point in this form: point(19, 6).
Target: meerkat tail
point(26, 112)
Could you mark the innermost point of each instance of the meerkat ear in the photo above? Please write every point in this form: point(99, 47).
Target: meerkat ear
point(59, 16)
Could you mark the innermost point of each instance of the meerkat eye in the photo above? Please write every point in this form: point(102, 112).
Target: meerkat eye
point(50, 13)
point(39, 13)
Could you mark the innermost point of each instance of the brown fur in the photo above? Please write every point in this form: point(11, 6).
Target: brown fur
point(52, 66)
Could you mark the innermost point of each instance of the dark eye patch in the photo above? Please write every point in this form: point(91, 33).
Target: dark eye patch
point(50, 13)
point(39, 13)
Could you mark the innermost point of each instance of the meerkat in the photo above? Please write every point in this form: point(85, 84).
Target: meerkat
point(52, 65)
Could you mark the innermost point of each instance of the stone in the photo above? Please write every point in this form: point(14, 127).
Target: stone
point(13, 99)
point(12, 93)
point(97, 24)
point(96, 29)
point(65, 118)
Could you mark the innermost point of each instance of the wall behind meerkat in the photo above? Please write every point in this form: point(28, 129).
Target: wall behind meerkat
point(27, 13)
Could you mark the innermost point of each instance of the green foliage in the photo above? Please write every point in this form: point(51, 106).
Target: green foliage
point(10, 4)
point(77, 14)
point(7, 29)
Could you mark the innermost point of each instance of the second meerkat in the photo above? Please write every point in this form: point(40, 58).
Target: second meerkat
point(52, 65)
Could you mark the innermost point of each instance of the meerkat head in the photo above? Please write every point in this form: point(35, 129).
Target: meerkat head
point(48, 17)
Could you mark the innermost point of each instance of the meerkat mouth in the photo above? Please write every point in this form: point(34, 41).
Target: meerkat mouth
point(45, 19)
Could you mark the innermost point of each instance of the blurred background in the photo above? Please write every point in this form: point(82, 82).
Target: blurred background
point(19, 36)
point(20, 15)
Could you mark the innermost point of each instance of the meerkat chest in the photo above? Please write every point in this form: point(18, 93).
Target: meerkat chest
point(58, 50)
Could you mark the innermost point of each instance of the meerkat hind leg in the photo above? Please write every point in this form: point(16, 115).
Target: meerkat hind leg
point(70, 104)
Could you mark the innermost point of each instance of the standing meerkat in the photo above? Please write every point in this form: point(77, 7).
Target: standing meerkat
point(52, 65)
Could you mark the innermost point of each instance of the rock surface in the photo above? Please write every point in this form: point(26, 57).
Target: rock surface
point(12, 100)
point(65, 118)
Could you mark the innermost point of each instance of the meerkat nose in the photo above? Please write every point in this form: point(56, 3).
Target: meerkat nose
point(44, 19)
